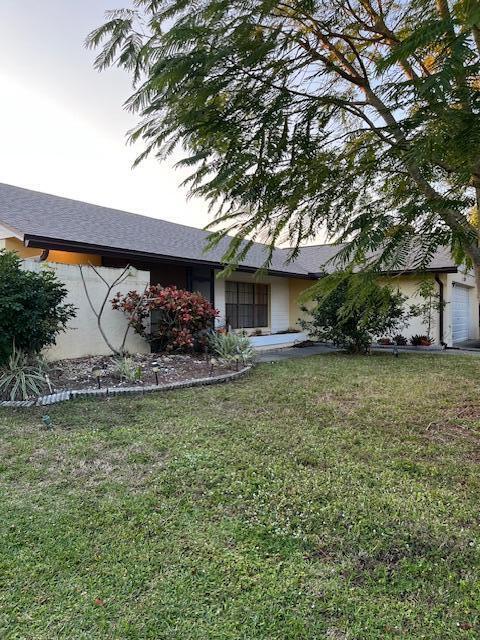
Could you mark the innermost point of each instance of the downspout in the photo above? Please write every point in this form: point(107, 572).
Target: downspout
point(212, 287)
point(441, 308)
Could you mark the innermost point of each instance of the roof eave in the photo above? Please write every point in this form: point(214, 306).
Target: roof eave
point(55, 244)
point(404, 272)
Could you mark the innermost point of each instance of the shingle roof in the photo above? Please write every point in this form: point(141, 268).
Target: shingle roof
point(318, 259)
point(47, 216)
point(41, 215)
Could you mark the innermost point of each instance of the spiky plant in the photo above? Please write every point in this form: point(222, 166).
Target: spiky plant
point(231, 348)
point(126, 369)
point(22, 377)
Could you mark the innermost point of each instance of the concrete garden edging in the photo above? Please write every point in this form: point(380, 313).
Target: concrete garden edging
point(64, 396)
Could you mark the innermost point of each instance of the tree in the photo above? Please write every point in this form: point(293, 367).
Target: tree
point(117, 350)
point(32, 308)
point(351, 309)
point(358, 118)
point(429, 307)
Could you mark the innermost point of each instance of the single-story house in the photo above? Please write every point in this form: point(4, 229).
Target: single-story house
point(63, 233)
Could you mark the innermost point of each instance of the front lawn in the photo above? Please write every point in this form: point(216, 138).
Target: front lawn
point(332, 497)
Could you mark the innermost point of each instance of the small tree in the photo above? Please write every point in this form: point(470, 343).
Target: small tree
point(430, 306)
point(180, 317)
point(353, 308)
point(32, 308)
point(117, 350)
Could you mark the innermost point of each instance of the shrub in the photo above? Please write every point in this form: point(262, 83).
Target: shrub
point(22, 376)
point(180, 319)
point(32, 312)
point(351, 308)
point(385, 341)
point(126, 369)
point(420, 341)
point(400, 340)
point(231, 348)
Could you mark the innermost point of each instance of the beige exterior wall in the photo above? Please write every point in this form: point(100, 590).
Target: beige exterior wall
point(14, 244)
point(82, 337)
point(296, 287)
point(63, 257)
point(408, 285)
point(279, 300)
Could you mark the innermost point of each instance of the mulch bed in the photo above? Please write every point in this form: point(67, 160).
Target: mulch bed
point(78, 373)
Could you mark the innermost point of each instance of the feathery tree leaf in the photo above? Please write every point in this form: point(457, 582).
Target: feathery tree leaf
point(355, 118)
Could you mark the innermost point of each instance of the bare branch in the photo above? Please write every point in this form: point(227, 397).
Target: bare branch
point(99, 313)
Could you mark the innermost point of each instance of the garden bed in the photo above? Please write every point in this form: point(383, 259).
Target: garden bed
point(82, 373)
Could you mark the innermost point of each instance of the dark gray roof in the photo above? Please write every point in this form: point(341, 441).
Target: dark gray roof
point(316, 258)
point(40, 215)
point(320, 259)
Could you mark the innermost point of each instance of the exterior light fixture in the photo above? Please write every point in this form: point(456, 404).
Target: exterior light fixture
point(97, 373)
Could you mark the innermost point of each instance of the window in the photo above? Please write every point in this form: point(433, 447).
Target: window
point(201, 281)
point(246, 304)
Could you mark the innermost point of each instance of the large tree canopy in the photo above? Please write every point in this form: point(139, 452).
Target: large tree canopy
point(358, 118)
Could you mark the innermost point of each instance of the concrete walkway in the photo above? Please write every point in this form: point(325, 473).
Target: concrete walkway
point(289, 353)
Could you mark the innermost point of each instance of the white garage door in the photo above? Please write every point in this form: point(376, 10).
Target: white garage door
point(460, 313)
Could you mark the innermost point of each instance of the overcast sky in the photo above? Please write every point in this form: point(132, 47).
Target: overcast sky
point(62, 123)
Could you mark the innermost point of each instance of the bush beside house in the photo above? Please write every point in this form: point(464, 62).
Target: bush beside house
point(32, 307)
point(351, 309)
point(32, 314)
point(169, 318)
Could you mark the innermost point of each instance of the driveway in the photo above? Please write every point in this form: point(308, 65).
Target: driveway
point(288, 353)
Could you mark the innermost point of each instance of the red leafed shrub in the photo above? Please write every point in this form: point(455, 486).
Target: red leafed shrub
point(179, 318)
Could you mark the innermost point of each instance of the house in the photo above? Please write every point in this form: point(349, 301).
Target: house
point(66, 233)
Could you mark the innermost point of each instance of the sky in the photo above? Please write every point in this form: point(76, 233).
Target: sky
point(62, 124)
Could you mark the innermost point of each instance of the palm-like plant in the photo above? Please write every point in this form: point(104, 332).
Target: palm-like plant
point(232, 348)
point(21, 378)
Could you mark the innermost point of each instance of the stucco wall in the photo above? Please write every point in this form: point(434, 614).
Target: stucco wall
point(408, 285)
point(296, 287)
point(82, 337)
point(63, 257)
point(279, 303)
point(13, 244)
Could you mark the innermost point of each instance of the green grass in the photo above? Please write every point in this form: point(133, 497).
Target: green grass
point(332, 497)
